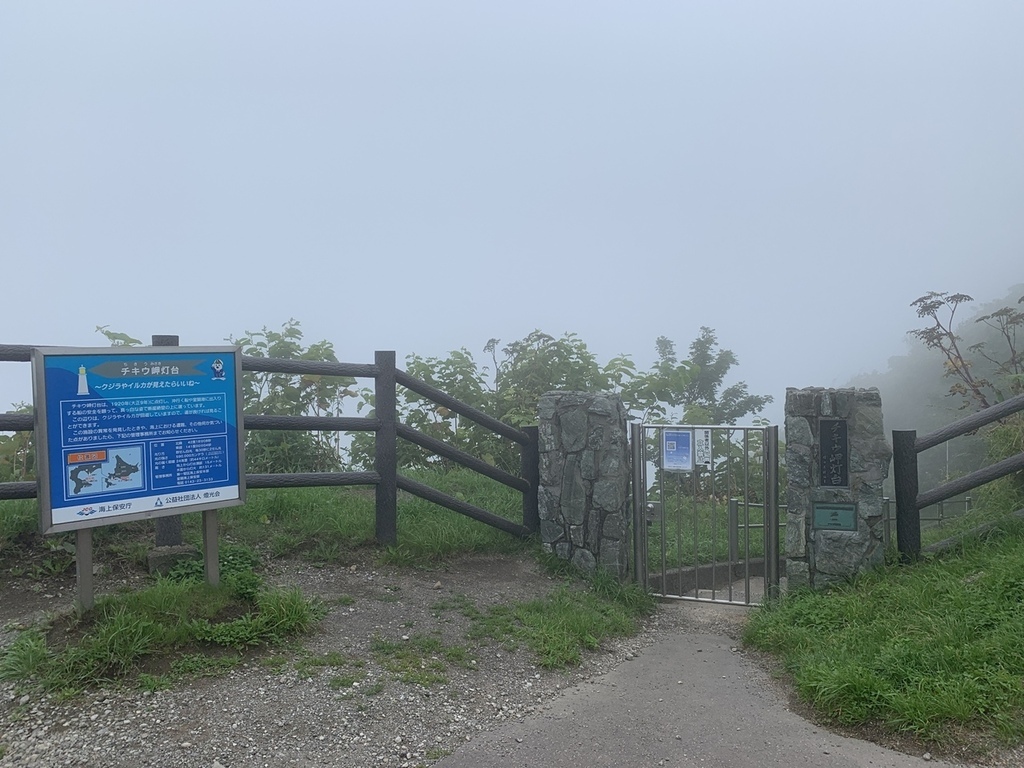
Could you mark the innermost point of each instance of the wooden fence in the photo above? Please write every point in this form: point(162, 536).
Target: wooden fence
point(387, 428)
point(905, 447)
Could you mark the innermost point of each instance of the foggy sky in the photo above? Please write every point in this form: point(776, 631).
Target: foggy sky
point(426, 176)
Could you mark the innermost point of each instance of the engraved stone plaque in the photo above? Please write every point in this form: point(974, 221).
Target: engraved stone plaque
point(834, 452)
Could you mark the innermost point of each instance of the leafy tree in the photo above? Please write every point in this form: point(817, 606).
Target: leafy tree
point(457, 375)
point(982, 375)
point(985, 372)
point(285, 394)
point(705, 400)
point(696, 387)
point(540, 363)
point(652, 394)
point(17, 452)
point(525, 369)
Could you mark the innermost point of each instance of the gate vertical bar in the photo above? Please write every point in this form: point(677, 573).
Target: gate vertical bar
point(385, 460)
point(636, 437)
point(746, 522)
point(734, 530)
point(662, 517)
point(694, 514)
point(771, 511)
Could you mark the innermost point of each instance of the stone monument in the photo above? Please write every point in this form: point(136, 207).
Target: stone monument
point(836, 460)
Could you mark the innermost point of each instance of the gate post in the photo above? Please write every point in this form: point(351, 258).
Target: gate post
point(772, 579)
point(837, 458)
point(639, 499)
point(584, 479)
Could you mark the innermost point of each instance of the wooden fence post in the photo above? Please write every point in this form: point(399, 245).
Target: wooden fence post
point(385, 461)
point(168, 529)
point(908, 516)
point(529, 470)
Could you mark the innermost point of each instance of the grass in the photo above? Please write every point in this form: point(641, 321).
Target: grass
point(325, 525)
point(559, 627)
point(19, 522)
point(689, 533)
point(322, 525)
point(419, 659)
point(933, 651)
point(178, 627)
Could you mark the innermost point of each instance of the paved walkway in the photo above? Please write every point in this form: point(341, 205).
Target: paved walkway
point(687, 701)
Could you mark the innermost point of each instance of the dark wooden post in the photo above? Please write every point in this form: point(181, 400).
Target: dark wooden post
point(529, 470)
point(385, 460)
point(908, 516)
point(168, 529)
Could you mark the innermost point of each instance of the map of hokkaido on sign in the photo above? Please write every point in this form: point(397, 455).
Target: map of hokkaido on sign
point(144, 432)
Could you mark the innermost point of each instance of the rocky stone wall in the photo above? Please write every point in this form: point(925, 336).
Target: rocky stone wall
point(836, 460)
point(584, 479)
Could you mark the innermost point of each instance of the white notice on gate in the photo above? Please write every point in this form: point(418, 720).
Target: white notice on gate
point(702, 447)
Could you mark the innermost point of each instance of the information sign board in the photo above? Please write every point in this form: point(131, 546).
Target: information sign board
point(136, 432)
point(677, 450)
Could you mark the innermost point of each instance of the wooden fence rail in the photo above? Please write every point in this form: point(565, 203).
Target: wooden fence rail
point(387, 429)
point(905, 447)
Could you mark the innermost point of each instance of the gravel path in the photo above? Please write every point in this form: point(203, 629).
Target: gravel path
point(273, 711)
point(266, 713)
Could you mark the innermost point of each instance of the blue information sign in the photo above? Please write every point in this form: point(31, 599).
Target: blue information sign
point(677, 450)
point(143, 432)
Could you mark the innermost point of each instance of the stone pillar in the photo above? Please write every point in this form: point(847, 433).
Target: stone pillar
point(836, 460)
point(584, 479)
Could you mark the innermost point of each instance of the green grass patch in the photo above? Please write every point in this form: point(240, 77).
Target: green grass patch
point(420, 659)
point(326, 525)
point(558, 628)
point(689, 532)
point(19, 524)
point(178, 627)
point(932, 650)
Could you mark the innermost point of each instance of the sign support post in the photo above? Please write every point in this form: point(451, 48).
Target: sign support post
point(83, 569)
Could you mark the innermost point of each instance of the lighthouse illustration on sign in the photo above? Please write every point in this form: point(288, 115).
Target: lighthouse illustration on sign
point(83, 382)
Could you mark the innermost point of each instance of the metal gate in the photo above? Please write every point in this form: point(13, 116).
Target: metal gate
point(706, 511)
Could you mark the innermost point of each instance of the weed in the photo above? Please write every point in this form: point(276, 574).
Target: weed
point(343, 681)
point(307, 665)
point(153, 683)
point(415, 661)
point(203, 665)
point(573, 618)
point(26, 657)
point(274, 663)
